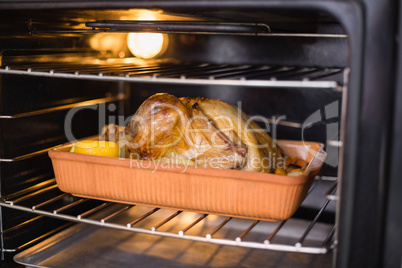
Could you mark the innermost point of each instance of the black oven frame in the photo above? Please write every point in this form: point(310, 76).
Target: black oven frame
point(366, 150)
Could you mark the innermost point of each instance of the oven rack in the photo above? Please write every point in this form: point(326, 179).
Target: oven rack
point(64, 206)
point(162, 72)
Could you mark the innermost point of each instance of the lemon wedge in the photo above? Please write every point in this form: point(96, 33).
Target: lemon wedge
point(100, 148)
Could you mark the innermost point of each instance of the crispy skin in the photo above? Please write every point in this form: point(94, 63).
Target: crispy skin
point(207, 132)
point(263, 154)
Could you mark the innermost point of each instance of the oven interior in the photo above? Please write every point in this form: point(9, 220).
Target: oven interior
point(286, 67)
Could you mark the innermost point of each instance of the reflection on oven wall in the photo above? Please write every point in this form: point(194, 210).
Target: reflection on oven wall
point(281, 51)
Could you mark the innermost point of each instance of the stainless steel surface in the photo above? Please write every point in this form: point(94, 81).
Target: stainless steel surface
point(33, 194)
point(88, 246)
point(26, 156)
point(65, 107)
point(178, 26)
point(293, 235)
point(307, 35)
point(334, 143)
point(119, 97)
point(188, 74)
point(181, 27)
point(299, 243)
point(331, 193)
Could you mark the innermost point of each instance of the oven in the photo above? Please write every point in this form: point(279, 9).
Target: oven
point(321, 71)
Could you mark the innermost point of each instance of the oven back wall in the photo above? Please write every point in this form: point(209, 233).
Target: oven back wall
point(272, 50)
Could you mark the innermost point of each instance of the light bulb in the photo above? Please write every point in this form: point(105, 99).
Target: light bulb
point(145, 45)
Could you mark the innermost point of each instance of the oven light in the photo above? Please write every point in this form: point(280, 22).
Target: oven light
point(145, 45)
point(108, 43)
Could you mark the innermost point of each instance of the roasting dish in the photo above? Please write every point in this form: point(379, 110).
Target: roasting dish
point(245, 194)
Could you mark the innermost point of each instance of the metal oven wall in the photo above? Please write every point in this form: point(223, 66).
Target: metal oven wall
point(367, 114)
point(366, 155)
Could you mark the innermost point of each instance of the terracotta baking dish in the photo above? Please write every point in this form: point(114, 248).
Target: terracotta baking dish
point(225, 192)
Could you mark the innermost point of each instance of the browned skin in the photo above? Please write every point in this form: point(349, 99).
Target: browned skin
point(158, 127)
point(207, 132)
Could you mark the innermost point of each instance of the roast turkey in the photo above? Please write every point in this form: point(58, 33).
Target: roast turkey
point(201, 132)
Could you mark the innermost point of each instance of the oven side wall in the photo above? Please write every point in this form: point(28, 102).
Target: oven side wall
point(364, 177)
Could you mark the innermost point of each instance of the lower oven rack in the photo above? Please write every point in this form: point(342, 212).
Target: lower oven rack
point(313, 236)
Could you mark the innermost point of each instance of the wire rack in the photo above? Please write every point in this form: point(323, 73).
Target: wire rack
point(186, 73)
point(45, 199)
point(311, 236)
